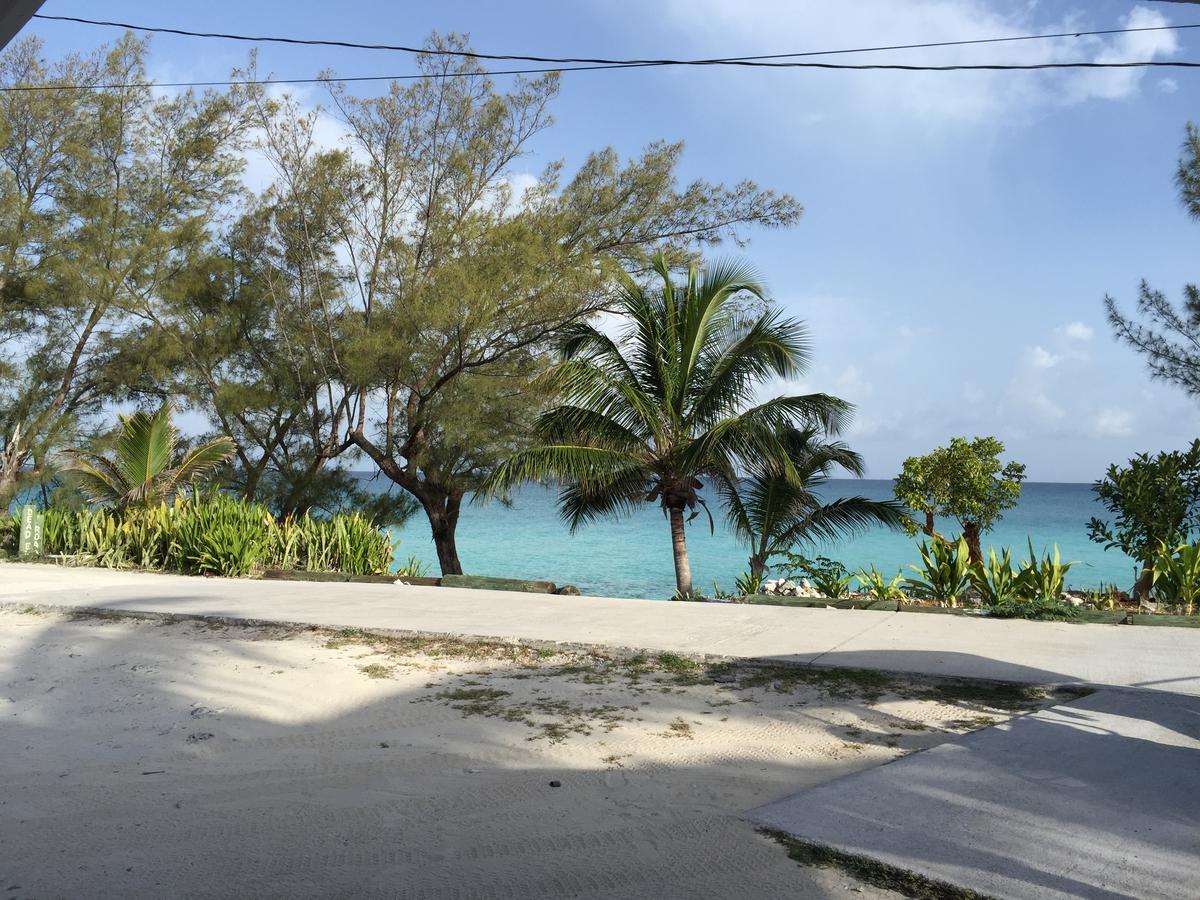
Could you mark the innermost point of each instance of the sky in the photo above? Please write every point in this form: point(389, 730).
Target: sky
point(961, 229)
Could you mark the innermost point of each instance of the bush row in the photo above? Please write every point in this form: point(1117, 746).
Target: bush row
point(217, 534)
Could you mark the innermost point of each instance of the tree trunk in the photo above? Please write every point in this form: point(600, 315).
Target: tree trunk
point(758, 566)
point(442, 512)
point(971, 533)
point(1141, 587)
point(683, 570)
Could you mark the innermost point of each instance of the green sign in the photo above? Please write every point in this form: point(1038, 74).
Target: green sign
point(32, 523)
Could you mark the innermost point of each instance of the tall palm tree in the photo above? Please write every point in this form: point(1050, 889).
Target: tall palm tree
point(773, 507)
point(643, 418)
point(143, 471)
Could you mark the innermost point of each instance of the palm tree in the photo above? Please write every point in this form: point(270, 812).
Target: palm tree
point(141, 471)
point(643, 418)
point(773, 508)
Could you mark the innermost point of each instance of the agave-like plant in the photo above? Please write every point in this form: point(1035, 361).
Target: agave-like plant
point(144, 470)
point(646, 417)
point(944, 574)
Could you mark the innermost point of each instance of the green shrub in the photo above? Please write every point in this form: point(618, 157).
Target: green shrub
point(10, 529)
point(827, 575)
point(1176, 576)
point(748, 583)
point(996, 579)
point(216, 533)
point(1038, 609)
point(944, 574)
point(875, 584)
point(1045, 578)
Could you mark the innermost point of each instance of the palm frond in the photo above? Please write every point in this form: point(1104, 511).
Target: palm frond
point(197, 463)
point(98, 479)
point(840, 519)
point(144, 449)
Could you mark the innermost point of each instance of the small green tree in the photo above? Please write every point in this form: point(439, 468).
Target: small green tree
point(1155, 500)
point(776, 505)
point(146, 469)
point(966, 482)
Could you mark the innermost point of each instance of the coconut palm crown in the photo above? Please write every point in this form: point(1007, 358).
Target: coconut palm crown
point(645, 417)
point(773, 508)
point(143, 470)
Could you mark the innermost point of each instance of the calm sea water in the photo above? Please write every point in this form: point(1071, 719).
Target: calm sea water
point(631, 557)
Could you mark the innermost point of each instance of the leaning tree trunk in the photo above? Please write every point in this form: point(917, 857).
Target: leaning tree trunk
point(683, 569)
point(442, 512)
point(1141, 587)
point(971, 534)
point(758, 565)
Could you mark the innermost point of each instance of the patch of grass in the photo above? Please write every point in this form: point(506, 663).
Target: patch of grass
point(869, 871)
point(679, 728)
point(842, 684)
point(376, 670)
point(676, 664)
point(976, 695)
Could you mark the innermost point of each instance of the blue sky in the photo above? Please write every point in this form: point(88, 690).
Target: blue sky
point(960, 229)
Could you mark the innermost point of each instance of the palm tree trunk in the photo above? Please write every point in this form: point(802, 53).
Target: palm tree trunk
point(683, 569)
point(758, 565)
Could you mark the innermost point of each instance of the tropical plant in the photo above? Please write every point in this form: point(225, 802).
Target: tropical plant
point(827, 575)
point(215, 533)
point(10, 529)
point(877, 585)
point(774, 505)
point(145, 469)
point(964, 481)
point(748, 583)
point(1039, 610)
point(996, 579)
point(1044, 578)
point(413, 568)
point(645, 417)
point(944, 574)
point(1155, 500)
point(1177, 576)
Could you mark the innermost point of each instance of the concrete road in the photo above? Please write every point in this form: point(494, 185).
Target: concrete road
point(1165, 659)
point(1099, 798)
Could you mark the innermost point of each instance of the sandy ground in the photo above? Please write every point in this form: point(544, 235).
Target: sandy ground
point(141, 759)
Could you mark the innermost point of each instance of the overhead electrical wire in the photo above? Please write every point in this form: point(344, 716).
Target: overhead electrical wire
point(579, 64)
point(584, 60)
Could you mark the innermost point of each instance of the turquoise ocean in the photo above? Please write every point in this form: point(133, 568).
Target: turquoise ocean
point(631, 557)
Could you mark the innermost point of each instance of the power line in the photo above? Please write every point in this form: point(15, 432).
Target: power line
point(347, 79)
point(510, 57)
point(582, 64)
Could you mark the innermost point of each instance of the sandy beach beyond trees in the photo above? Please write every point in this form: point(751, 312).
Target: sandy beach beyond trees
point(144, 759)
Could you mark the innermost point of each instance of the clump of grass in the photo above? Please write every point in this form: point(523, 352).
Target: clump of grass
point(870, 871)
point(376, 670)
point(679, 728)
point(843, 684)
point(676, 664)
point(983, 695)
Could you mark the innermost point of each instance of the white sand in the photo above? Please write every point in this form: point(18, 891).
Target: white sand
point(151, 760)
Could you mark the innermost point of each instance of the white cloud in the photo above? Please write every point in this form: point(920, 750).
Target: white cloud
point(1041, 358)
point(1112, 422)
point(1168, 85)
point(908, 99)
point(851, 385)
point(1076, 331)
